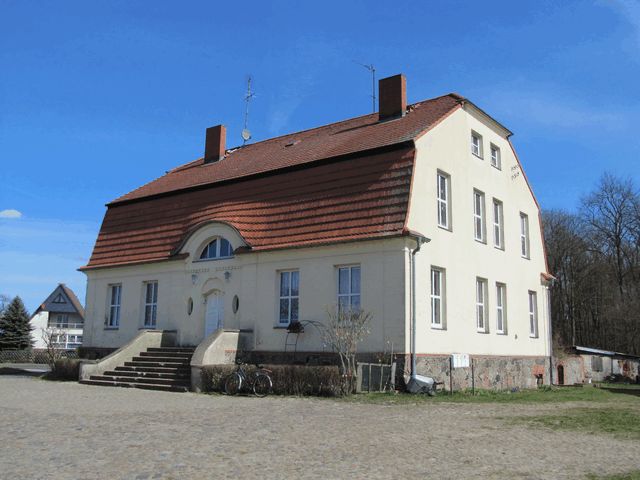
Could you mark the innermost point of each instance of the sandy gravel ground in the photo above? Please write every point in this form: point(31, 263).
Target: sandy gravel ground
point(51, 430)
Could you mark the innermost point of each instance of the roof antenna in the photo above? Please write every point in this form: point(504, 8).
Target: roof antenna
point(246, 134)
point(372, 69)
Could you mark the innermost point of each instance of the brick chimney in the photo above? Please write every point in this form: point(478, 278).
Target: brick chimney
point(215, 144)
point(392, 97)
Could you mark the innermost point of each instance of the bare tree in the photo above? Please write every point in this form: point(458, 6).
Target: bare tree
point(345, 329)
point(595, 256)
point(50, 337)
point(609, 212)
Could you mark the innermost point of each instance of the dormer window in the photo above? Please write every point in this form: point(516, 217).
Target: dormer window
point(216, 249)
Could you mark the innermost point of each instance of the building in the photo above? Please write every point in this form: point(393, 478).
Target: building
point(579, 365)
point(420, 214)
point(62, 315)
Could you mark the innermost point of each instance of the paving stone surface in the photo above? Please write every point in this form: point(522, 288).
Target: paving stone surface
point(51, 430)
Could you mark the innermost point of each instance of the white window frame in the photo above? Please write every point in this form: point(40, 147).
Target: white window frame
point(524, 236)
point(288, 296)
point(438, 298)
point(498, 224)
point(443, 201)
point(150, 307)
point(115, 303)
point(501, 308)
point(479, 220)
point(349, 297)
point(533, 314)
point(217, 255)
point(496, 159)
point(476, 149)
point(482, 325)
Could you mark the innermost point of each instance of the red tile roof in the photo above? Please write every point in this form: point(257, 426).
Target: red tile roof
point(341, 182)
point(349, 136)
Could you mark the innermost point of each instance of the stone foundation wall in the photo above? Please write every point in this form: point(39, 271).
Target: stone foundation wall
point(485, 372)
point(489, 373)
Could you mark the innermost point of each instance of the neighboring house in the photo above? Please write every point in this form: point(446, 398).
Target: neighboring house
point(419, 208)
point(61, 314)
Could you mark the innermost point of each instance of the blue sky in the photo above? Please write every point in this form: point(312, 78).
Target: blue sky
point(97, 98)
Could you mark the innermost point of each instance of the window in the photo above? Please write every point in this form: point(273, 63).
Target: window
point(496, 161)
point(74, 341)
point(217, 248)
point(443, 181)
point(533, 314)
point(476, 144)
point(481, 305)
point(478, 216)
point(524, 235)
point(596, 363)
point(349, 288)
point(498, 227)
point(289, 297)
point(437, 298)
point(113, 321)
point(62, 321)
point(150, 304)
point(59, 299)
point(501, 308)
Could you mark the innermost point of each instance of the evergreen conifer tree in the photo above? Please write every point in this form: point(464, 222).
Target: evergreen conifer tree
point(15, 329)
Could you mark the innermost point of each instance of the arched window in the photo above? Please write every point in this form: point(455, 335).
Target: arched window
point(217, 248)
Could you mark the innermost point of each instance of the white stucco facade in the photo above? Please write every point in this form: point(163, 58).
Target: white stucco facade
point(253, 278)
point(447, 149)
point(385, 268)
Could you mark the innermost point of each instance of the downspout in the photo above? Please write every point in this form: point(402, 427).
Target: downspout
point(549, 329)
point(420, 240)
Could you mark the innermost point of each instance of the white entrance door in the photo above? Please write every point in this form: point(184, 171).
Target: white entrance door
point(214, 315)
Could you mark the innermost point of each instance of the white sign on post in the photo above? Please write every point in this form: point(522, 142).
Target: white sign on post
point(460, 360)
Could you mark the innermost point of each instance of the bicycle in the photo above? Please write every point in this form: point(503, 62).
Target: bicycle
point(259, 382)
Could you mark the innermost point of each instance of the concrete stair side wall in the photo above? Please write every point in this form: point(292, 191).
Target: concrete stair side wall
point(219, 348)
point(145, 339)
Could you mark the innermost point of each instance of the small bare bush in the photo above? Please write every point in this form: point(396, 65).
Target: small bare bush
point(345, 329)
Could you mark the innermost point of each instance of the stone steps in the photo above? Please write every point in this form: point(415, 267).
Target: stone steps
point(147, 369)
point(162, 368)
point(172, 349)
point(167, 355)
point(145, 380)
point(179, 375)
point(144, 386)
point(142, 362)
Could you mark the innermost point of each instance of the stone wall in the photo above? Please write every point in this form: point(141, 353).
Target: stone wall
point(485, 372)
point(489, 372)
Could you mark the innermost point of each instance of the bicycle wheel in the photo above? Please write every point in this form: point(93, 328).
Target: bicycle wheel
point(262, 385)
point(233, 384)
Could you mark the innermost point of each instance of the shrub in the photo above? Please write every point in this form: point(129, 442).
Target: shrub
point(65, 369)
point(213, 377)
point(299, 380)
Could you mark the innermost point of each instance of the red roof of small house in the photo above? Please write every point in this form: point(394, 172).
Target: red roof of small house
point(341, 182)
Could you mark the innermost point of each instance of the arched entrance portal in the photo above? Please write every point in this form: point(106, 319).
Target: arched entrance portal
point(214, 313)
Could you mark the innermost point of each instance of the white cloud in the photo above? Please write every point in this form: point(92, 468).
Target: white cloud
point(10, 213)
